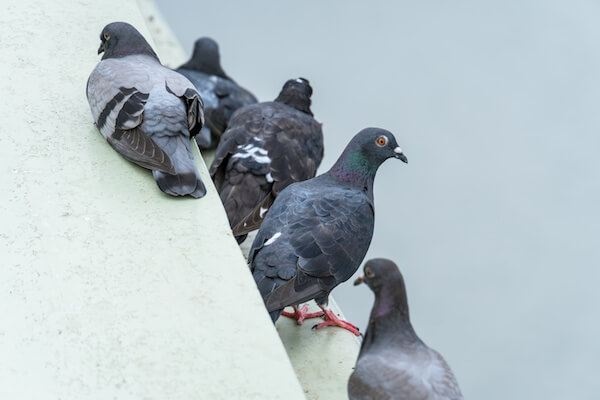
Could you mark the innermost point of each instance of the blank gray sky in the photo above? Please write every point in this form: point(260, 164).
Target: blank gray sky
point(493, 221)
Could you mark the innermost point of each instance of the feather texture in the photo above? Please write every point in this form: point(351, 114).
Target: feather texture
point(267, 147)
point(148, 114)
point(222, 95)
point(318, 231)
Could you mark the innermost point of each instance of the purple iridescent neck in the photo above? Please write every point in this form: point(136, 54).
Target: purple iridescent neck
point(390, 314)
point(390, 299)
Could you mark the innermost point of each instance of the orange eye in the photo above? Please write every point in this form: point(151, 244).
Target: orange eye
point(381, 141)
point(368, 271)
point(106, 36)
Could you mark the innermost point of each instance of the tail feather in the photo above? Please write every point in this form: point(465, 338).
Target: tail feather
point(186, 180)
point(181, 184)
point(204, 139)
point(275, 315)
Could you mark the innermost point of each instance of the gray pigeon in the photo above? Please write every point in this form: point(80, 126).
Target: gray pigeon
point(267, 147)
point(146, 111)
point(318, 231)
point(221, 95)
point(393, 362)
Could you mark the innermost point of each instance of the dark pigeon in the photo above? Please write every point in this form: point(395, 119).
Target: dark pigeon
point(318, 231)
point(221, 95)
point(267, 147)
point(147, 112)
point(393, 362)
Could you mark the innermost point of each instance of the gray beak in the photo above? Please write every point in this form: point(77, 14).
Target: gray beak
point(359, 280)
point(101, 48)
point(400, 155)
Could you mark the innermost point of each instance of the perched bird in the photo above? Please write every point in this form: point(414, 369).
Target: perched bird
point(146, 111)
point(267, 147)
point(393, 362)
point(221, 95)
point(318, 231)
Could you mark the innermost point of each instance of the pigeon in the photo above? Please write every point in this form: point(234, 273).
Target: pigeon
point(147, 112)
point(318, 231)
point(393, 362)
point(221, 95)
point(267, 147)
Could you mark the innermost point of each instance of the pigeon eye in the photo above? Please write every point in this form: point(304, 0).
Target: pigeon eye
point(382, 141)
point(369, 271)
point(106, 36)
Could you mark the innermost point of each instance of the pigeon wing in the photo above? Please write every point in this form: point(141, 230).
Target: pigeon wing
point(230, 97)
point(243, 127)
point(326, 231)
point(295, 144)
point(253, 220)
point(333, 237)
point(117, 105)
point(181, 87)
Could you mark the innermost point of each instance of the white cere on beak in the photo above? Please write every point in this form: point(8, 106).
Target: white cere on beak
point(263, 211)
point(273, 239)
point(398, 150)
point(299, 80)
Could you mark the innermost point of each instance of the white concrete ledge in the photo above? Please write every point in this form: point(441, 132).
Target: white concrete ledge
point(109, 288)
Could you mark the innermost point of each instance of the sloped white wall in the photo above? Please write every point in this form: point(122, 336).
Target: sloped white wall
point(109, 288)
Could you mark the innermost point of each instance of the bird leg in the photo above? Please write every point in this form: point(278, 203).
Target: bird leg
point(301, 314)
point(332, 320)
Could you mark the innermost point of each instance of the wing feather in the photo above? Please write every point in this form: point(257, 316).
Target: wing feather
point(324, 247)
point(118, 90)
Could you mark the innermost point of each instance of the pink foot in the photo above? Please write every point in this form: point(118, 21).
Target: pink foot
point(301, 314)
point(332, 320)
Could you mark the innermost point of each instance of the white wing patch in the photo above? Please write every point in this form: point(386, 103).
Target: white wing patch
point(273, 239)
point(259, 154)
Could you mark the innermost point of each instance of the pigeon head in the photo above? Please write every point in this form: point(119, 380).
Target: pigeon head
point(296, 93)
point(367, 150)
point(384, 278)
point(379, 272)
point(206, 58)
point(120, 39)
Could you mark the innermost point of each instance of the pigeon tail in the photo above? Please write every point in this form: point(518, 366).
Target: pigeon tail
point(181, 184)
point(187, 179)
point(253, 220)
point(240, 200)
point(204, 138)
point(241, 238)
point(275, 315)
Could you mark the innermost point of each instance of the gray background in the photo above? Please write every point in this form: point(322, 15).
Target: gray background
point(493, 221)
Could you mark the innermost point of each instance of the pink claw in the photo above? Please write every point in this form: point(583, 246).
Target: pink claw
point(301, 314)
point(332, 320)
